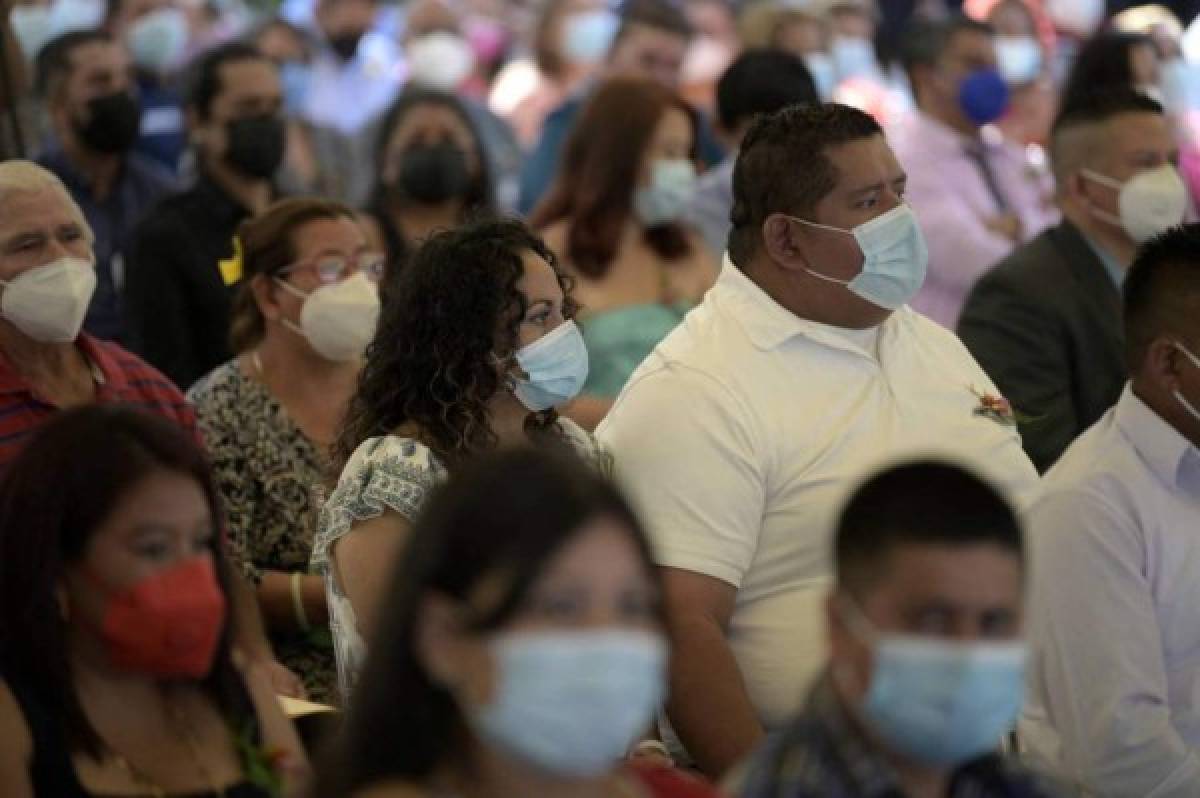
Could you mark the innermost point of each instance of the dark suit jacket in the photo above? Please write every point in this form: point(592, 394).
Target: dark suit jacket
point(1046, 326)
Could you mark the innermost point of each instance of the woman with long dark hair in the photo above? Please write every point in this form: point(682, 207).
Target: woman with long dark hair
point(116, 670)
point(616, 216)
point(475, 348)
point(433, 173)
point(521, 650)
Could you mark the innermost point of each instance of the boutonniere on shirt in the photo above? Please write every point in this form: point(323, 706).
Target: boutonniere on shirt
point(995, 407)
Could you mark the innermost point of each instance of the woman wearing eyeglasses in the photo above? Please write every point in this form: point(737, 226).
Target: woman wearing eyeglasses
point(305, 310)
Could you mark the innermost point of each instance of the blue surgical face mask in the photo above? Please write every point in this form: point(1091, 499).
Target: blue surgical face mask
point(557, 365)
point(1019, 58)
point(824, 74)
point(895, 258)
point(296, 79)
point(983, 96)
point(157, 41)
point(854, 57)
point(572, 702)
point(672, 186)
point(939, 702)
point(33, 27)
point(588, 35)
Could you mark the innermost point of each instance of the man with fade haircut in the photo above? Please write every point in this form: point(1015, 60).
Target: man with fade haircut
point(1045, 324)
point(1114, 699)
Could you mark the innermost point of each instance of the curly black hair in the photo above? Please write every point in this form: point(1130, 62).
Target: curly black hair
point(446, 331)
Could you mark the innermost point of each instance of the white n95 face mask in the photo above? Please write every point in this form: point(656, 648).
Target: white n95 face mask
point(572, 702)
point(557, 365)
point(440, 61)
point(1150, 202)
point(338, 320)
point(50, 302)
point(895, 258)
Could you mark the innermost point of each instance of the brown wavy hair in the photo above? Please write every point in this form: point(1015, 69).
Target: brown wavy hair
point(598, 173)
point(432, 367)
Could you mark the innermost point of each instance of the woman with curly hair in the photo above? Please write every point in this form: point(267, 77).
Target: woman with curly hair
point(474, 349)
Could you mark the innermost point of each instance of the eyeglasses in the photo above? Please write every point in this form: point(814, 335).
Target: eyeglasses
point(331, 269)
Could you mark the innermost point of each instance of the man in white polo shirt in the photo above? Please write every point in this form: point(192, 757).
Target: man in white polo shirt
point(745, 430)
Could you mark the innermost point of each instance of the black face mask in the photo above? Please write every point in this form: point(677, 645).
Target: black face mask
point(112, 123)
point(433, 173)
point(255, 145)
point(346, 44)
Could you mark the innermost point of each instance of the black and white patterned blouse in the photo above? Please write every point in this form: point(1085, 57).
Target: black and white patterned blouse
point(270, 476)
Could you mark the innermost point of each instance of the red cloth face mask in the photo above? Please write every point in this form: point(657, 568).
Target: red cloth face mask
point(167, 625)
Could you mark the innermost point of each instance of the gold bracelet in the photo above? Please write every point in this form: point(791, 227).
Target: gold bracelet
point(298, 602)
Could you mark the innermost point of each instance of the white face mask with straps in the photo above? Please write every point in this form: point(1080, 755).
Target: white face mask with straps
point(337, 320)
point(1150, 202)
point(49, 303)
point(1178, 394)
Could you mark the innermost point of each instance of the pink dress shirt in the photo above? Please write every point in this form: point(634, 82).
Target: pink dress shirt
point(950, 196)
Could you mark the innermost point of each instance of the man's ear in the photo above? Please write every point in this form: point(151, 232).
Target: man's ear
point(780, 240)
point(1163, 363)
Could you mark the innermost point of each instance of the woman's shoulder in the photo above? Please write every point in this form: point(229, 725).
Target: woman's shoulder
point(391, 452)
point(585, 445)
point(219, 387)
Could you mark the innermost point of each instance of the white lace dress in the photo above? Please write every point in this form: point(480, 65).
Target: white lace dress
point(387, 473)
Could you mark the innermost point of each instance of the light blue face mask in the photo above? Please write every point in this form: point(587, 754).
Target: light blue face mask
point(571, 703)
point(296, 79)
point(1019, 59)
point(824, 74)
point(672, 186)
point(557, 365)
point(939, 702)
point(854, 57)
point(895, 258)
point(588, 35)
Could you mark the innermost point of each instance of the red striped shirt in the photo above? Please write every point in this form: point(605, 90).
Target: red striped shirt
point(127, 379)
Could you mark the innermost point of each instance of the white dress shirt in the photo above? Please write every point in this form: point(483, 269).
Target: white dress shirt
point(740, 437)
point(1114, 680)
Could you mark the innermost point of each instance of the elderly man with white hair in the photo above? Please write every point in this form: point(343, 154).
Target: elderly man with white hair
point(47, 277)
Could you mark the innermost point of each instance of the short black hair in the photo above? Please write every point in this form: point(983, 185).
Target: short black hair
point(661, 15)
point(1087, 108)
point(204, 78)
point(919, 503)
point(1162, 291)
point(924, 41)
point(53, 61)
point(1102, 63)
point(762, 82)
point(783, 166)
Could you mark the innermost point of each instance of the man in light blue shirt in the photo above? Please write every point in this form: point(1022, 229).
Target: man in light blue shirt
point(1114, 678)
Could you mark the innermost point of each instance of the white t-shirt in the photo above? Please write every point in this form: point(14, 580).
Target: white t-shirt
point(742, 435)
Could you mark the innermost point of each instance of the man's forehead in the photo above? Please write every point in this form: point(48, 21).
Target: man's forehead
point(870, 157)
point(99, 54)
point(37, 209)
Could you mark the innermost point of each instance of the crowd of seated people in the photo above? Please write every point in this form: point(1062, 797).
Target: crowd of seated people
point(596, 399)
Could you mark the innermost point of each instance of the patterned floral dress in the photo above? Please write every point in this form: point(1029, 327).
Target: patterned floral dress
point(271, 478)
point(397, 474)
